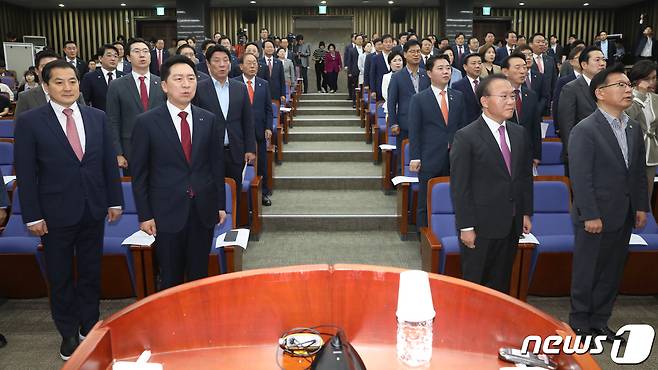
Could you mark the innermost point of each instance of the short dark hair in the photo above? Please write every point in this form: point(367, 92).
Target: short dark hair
point(459, 34)
point(165, 68)
point(600, 32)
point(184, 46)
point(225, 37)
point(520, 37)
point(469, 56)
point(575, 50)
point(394, 54)
point(330, 45)
point(59, 63)
point(471, 38)
point(387, 36)
point(584, 55)
point(432, 61)
point(266, 41)
point(641, 70)
point(205, 44)
point(136, 40)
point(217, 49)
point(102, 49)
point(46, 53)
point(70, 42)
point(427, 39)
point(443, 39)
point(409, 44)
point(599, 79)
point(506, 61)
point(321, 44)
point(522, 48)
point(489, 32)
point(508, 33)
point(378, 39)
point(573, 35)
point(300, 37)
point(483, 86)
point(532, 39)
point(244, 55)
point(264, 29)
point(249, 43)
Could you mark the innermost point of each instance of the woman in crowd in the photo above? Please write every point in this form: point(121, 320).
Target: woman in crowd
point(362, 60)
point(288, 68)
point(645, 111)
point(397, 62)
point(456, 74)
point(488, 55)
point(320, 76)
point(31, 81)
point(332, 65)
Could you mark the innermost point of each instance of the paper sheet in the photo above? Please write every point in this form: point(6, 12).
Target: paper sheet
point(400, 179)
point(244, 170)
point(8, 179)
point(285, 109)
point(544, 129)
point(140, 364)
point(139, 238)
point(387, 147)
point(528, 239)
point(637, 240)
point(242, 239)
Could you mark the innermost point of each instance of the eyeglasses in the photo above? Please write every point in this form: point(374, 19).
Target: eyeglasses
point(621, 85)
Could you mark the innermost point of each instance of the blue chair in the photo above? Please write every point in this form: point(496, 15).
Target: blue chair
point(7, 160)
point(365, 105)
point(551, 164)
point(407, 195)
point(379, 131)
point(221, 264)
point(640, 273)
point(22, 274)
point(371, 119)
point(249, 213)
point(550, 132)
point(550, 270)
point(7, 129)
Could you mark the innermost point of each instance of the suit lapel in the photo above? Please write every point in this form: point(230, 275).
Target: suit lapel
point(169, 130)
point(584, 89)
point(451, 108)
point(41, 96)
point(154, 91)
point(134, 92)
point(90, 136)
point(53, 123)
point(490, 141)
point(437, 108)
point(516, 143)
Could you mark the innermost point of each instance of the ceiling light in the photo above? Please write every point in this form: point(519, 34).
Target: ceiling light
point(60, 5)
point(323, 2)
point(521, 4)
point(123, 4)
point(586, 4)
point(252, 2)
point(391, 2)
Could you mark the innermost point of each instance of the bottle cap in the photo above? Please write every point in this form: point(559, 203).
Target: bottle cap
point(415, 297)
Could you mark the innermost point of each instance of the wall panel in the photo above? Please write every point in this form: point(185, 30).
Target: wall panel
point(627, 21)
point(12, 19)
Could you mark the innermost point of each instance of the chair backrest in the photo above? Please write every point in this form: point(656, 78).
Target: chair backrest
point(128, 223)
point(7, 129)
point(380, 110)
point(650, 228)
point(551, 163)
point(405, 159)
point(249, 176)
point(552, 200)
point(7, 158)
point(275, 116)
point(440, 211)
point(15, 225)
point(550, 132)
point(9, 81)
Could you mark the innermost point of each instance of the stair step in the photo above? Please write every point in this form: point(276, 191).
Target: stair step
point(330, 202)
point(338, 120)
point(327, 169)
point(328, 151)
point(327, 182)
point(328, 102)
point(321, 96)
point(335, 135)
point(317, 223)
point(319, 110)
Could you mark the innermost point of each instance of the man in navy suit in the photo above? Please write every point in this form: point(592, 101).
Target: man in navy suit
point(229, 101)
point(535, 80)
point(404, 85)
point(71, 56)
point(4, 203)
point(572, 59)
point(123, 64)
point(526, 112)
point(178, 176)
point(261, 102)
point(435, 114)
point(347, 59)
point(69, 182)
point(647, 45)
point(95, 83)
point(505, 51)
point(271, 70)
point(379, 67)
point(468, 86)
point(158, 56)
point(544, 64)
point(459, 50)
point(352, 65)
point(607, 47)
point(377, 43)
point(235, 65)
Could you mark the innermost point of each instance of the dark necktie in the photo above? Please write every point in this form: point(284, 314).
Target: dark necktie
point(517, 95)
point(109, 77)
point(185, 136)
point(507, 154)
point(475, 86)
point(143, 93)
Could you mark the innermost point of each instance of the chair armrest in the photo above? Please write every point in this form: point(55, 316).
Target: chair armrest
point(403, 191)
point(430, 246)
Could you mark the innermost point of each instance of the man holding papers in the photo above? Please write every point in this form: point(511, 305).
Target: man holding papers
point(178, 176)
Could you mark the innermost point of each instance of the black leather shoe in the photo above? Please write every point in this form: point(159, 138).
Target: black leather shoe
point(68, 347)
point(82, 334)
point(581, 332)
point(611, 336)
point(266, 201)
point(3, 341)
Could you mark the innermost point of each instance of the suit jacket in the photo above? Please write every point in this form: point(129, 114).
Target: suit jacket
point(549, 78)
point(124, 104)
point(153, 67)
point(127, 67)
point(472, 104)
point(501, 54)
point(576, 103)
point(55, 185)
point(378, 68)
point(429, 136)
point(262, 107)
point(484, 194)
point(94, 88)
point(556, 95)
point(352, 63)
point(400, 92)
point(35, 98)
point(530, 120)
point(541, 84)
point(603, 187)
point(239, 121)
point(277, 80)
point(557, 54)
point(81, 67)
point(347, 53)
point(642, 42)
point(366, 69)
point(162, 178)
point(458, 62)
point(610, 57)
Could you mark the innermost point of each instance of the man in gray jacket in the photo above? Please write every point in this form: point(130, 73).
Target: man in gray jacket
point(303, 52)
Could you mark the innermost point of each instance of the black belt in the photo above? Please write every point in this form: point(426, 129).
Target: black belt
point(227, 147)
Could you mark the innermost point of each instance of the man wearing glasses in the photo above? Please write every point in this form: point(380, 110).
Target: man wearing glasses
point(491, 187)
point(607, 159)
point(95, 83)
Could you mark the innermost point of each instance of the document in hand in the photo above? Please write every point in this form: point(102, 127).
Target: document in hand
point(544, 129)
point(8, 179)
point(139, 238)
point(387, 147)
point(637, 240)
point(140, 364)
point(233, 237)
point(244, 170)
point(400, 179)
point(528, 239)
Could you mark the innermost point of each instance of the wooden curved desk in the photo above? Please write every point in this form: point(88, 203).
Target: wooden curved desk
point(234, 321)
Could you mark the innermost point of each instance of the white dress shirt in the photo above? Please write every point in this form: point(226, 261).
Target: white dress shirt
point(147, 81)
point(588, 80)
point(646, 52)
point(120, 65)
point(173, 112)
point(114, 76)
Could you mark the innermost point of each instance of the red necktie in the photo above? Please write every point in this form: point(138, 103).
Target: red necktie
point(143, 93)
point(460, 54)
point(159, 59)
point(185, 136)
point(507, 154)
point(250, 90)
point(72, 133)
point(517, 95)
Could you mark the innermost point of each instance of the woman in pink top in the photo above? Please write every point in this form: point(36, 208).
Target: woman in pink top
point(332, 65)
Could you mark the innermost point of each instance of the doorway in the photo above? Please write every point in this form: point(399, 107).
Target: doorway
point(330, 29)
point(150, 28)
point(499, 26)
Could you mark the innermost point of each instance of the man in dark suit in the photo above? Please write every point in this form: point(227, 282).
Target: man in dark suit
point(607, 47)
point(347, 60)
point(4, 203)
point(37, 97)
point(69, 181)
point(178, 176)
point(607, 159)
point(575, 101)
point(572, 59)
point(505, 51)
point(544, 64)
point(229, 101)
point(158, 56)
point(647, 45)
point(235, 65)
point(352, 65)
point(129, 96)
point(377, 43)
point(468, 86)
point(403, 86)
point(123, 63)
point(95, 83)
point(459, 50)
point(435, 114)
point(379, 67)
point(555, 50)
point(526, 111)
point(536, 81)
point(261, 103)
point(491, 187)
point(188, 51)
point(271, 70)
point(71, 53)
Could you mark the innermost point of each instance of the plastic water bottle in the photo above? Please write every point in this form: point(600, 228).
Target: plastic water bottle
point(415, 318)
